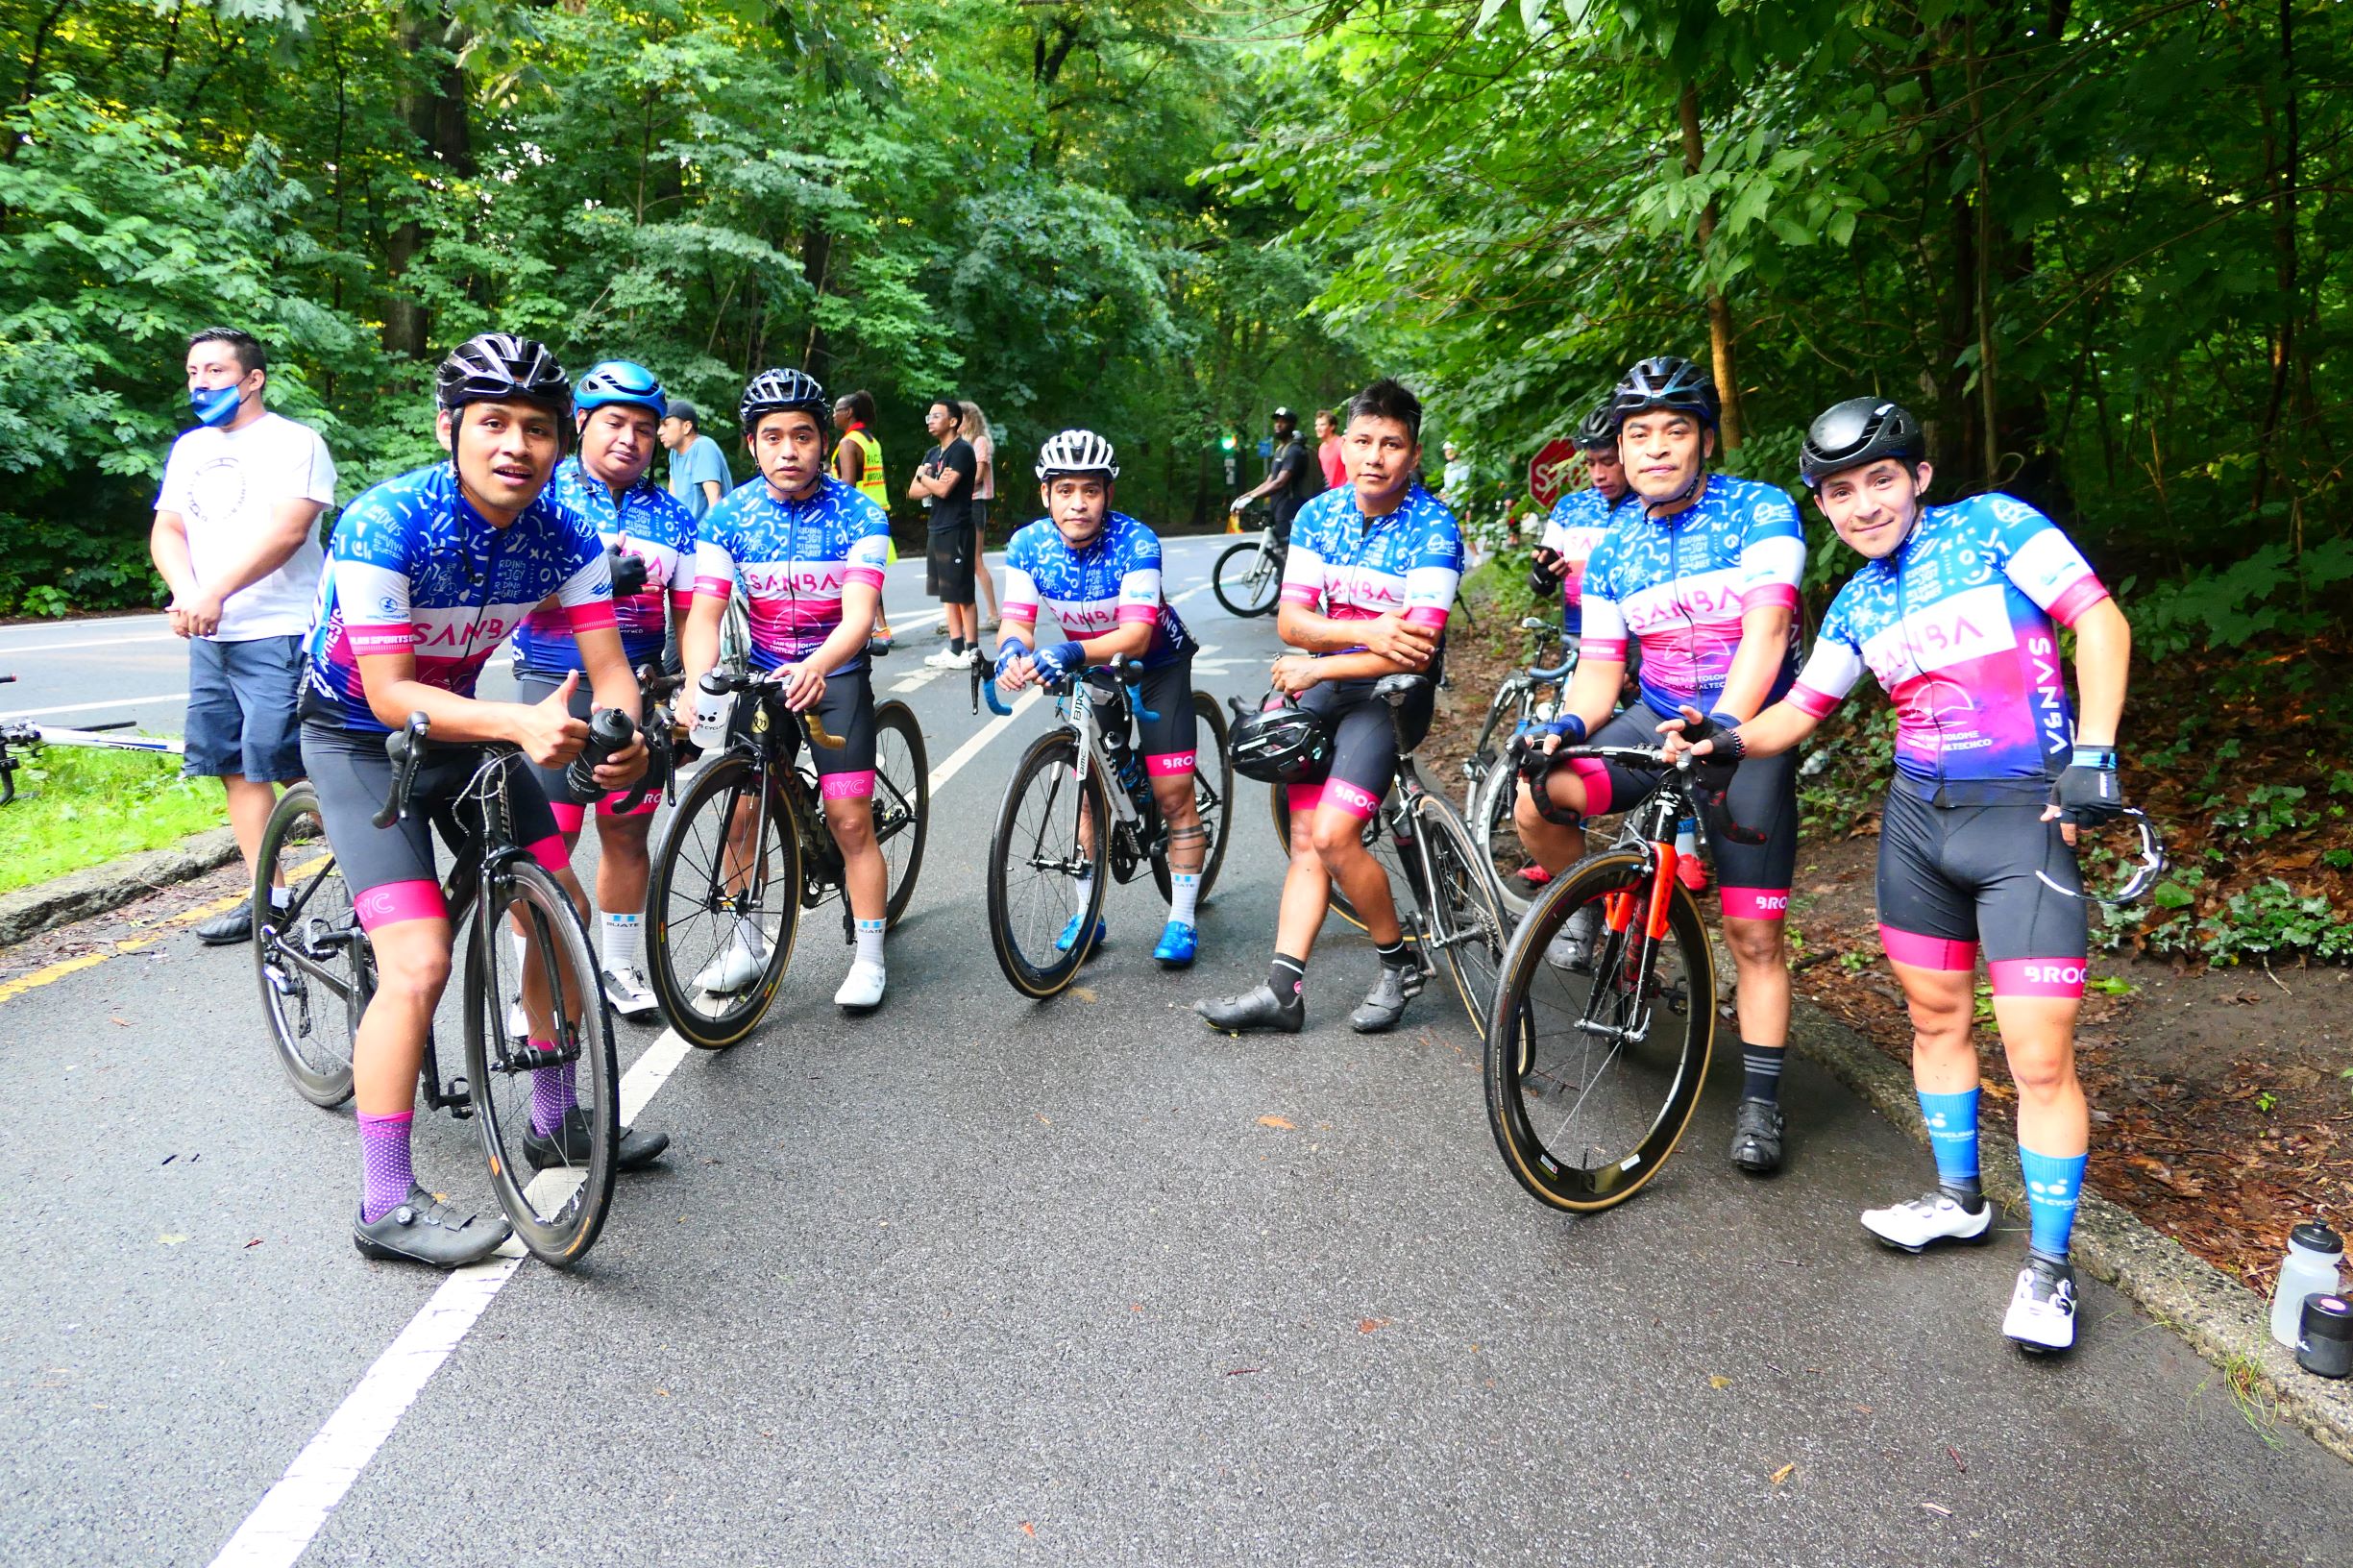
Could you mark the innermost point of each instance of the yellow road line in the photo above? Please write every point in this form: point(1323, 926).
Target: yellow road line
point(48, 973)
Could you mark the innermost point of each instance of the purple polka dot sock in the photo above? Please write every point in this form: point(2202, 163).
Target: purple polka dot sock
point(554, 1090)
point(385, 1173)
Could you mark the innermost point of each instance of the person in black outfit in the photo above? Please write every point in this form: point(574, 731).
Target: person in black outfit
point(943, 480)
point(1292, 477)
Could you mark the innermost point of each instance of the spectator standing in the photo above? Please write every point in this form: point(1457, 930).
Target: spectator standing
point(974, 429)
point(1328, 449)
point(1288, 485)
point(236, 539)
point(1455, 480)
point(857, 462)
point(698, 472)
point(944, 482)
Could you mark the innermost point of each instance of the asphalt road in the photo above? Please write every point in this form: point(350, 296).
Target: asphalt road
point(978, 1281)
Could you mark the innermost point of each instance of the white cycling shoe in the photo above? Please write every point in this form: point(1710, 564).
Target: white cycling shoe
point(737, 964)
point(861, 988)
point(1572, 945)
point(1930, 1218)
point(2042, 1314)
point(626, 990)
point(946, 660)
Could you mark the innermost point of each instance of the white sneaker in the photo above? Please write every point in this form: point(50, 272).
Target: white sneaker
point(2042, 1314)
point(946, 660)
point(626, 990)
point(1572, 945)
point(861, 988)
point(1931, 1217)
point(737, 964)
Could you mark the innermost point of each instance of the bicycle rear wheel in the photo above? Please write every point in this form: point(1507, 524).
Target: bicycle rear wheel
point(1378, 843)
point(1052, 835)
point(723, 904)
point(1213, 793)
point(1519, 881)
point(1597, 1050)
point(550, 1120)
point(903, 801)
point(314, 964)
point(1474, 929)
point(1245, 579)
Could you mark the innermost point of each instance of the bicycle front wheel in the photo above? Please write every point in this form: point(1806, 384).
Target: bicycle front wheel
point(902, 803)
point(312, 959)
point(1467, 923)
point(548, 1106)
point(1213, 793)
point(1599, 1034)
point(1047, 865)
point(1245, 580)
point(1518, 878)
point(723, 904)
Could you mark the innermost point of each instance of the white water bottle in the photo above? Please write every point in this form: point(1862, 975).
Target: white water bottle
point(2313, 1254)
point(711, 708)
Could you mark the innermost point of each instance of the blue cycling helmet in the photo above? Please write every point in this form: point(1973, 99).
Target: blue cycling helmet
point(621, 380)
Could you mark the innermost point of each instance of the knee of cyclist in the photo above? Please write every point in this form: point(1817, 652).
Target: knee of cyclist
point(1524, 814)
point(1337, 842)
point(2042, 1072)
point(417, 977)
point(1756, 942)
point(851, 830)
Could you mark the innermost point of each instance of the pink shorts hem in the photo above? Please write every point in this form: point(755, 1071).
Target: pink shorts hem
point(2037, 976)
point(855, 786)
point(551, 854)
point(418, 899)
point(1929, 952)
point(1170, 764)
point(1357, 801)
point(568, 817)
point(1755, 903)
point(1595, 777)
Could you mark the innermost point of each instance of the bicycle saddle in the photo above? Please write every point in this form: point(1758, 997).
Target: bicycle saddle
point(1395, 689)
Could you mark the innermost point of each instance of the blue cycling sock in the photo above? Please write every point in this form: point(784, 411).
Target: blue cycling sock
point(1952, 1135)
point(2054, 1183)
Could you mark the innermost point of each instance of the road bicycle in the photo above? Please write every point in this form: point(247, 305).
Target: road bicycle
point(1048, 843)
point(20, 736)
point(317, 973)
point(1451, 907)
point(748, 849)
point(1247, 577)
point(1526, 696)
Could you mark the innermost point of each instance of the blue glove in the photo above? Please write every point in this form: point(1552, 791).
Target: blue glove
point(1060, 662)
point(1008, 651)
point(1568, 726)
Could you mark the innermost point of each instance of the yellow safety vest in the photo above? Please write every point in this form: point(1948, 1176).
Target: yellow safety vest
point(870, 472)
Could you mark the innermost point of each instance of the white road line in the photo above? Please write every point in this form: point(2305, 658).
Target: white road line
point(1189, 593)
point(94, 642)
point(289, 1515)
point(92, 707)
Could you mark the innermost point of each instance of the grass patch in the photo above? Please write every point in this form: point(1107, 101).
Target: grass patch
point(77, 807)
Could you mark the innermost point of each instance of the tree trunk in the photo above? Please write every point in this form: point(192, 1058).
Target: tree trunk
point(433, 104)
point(816, 262)
point(2283, 153)
point(1719, 309)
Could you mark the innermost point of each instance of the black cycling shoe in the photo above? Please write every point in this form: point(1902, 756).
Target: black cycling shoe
point(228, 927)
point(1258, 1008)
point(1756, 1137)
point(424, 1230)
point(638, 1150)
point(1385, 1003)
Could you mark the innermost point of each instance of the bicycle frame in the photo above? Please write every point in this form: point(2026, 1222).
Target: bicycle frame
point(1136, 834)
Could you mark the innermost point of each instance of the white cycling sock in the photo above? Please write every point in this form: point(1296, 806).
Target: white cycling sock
point(870, 941)
point(1184, 894)
point(621, 939)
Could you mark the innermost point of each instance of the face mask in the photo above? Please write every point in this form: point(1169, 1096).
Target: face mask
point(214, 405)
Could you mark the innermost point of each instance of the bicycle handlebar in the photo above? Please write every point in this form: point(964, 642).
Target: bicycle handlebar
point(1649, 758)
point(405, 748)
point(1126, 669)
point(746, 681)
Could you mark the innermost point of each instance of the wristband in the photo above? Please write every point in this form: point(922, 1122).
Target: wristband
point(1569, 728)
point(2102, 757)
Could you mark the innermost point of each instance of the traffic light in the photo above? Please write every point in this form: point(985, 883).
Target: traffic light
point(1227, 443)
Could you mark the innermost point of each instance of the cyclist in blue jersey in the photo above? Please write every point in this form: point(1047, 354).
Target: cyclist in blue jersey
point(810, 551)
point(1366, 592)
point(428, 573)
point(1956, 612)
point(1099, 571)
point(648, 540)
point(1579, 519)
point(1703, 574)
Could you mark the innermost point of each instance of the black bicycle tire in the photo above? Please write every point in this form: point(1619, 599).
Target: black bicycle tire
point(671, 991)
point(1217, 583)
point(329, 1089)
point(1524, 1156)
point(897, 717)
point(1441, 826)
point(1056, 748)
point(1208, 742)
point(560, 1246)
point(1495, 817)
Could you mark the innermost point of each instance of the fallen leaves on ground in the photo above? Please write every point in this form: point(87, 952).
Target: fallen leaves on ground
point(1281, 1123)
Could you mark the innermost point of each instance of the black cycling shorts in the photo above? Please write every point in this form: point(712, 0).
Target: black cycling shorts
point(570, 805)
point(1171, 738)
point(1752, 879)
point(1952, 877)
point(846, 710)
point(1364, 741)
point(389, 870)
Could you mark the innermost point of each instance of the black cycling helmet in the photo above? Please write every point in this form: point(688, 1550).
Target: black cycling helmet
point(1599, 427)
point(1856, 431)
point(1665, 382)
point(1281, 744)
point(782, 391)
point(499, 367)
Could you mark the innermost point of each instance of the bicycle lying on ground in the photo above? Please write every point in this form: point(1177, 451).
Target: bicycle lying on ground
point(317, 973)
point(1247, 578)
point(22, 735)
point(1491, 781)
point(748, 849)
point(1451, 908)
point(1049, 843)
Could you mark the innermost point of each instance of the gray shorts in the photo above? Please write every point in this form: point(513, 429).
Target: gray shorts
point(241, 709)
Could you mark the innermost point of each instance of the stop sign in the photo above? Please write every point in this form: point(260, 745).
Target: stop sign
point(1550, 469)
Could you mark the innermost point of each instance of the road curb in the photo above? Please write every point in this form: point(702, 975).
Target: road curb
point(2221, 1319)
point(28, 912)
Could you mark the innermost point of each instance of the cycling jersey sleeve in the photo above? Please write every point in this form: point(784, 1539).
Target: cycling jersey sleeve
point(2041, 561)
point(1832, 668)
point(869, 543)
point(1303, 572)
point(715, 561)
point(1019, 600)
point(1140, 579)
point(371, 570)
point(587, 595)
point(1772, 555)
point(1605, 624)
point(683, 578)
point(1433, 577)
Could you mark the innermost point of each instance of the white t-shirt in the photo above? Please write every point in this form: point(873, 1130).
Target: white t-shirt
point(226, 485)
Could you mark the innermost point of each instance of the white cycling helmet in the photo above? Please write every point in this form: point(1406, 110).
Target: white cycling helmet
point(1076, 451)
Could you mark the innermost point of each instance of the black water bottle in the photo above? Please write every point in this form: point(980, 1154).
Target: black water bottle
point(609, 731)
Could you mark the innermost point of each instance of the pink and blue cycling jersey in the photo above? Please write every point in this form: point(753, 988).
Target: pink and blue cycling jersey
point(795, 558)
point(414, 568)
point(1405, 564)
point(1678, 586)
point(648, 523)
point(1957, 625)
point(1115, 580)
point(1576, 526)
